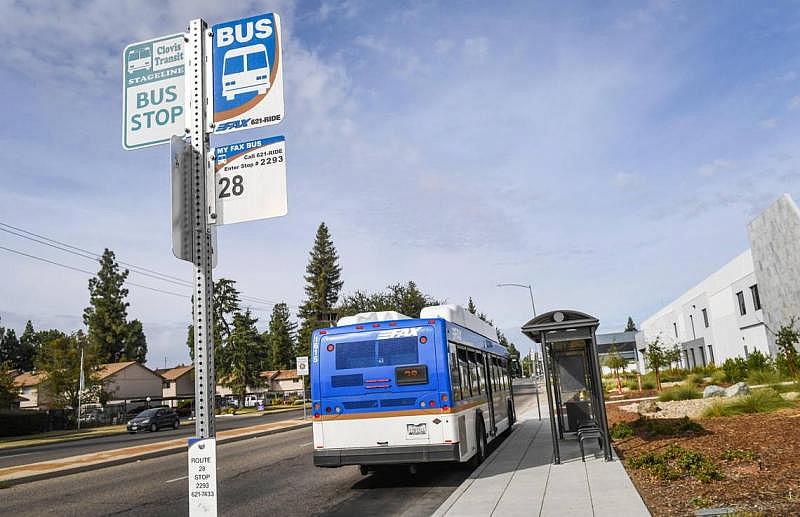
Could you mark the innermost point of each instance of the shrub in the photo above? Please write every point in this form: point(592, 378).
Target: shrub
point(683, 392)
point(759, 401)
point(675, 462)
point(298, 402)
point(738, 454)
point(696, 379)
point(735, 369)
point(621, 430)
point(647, 384)
point(764, 376)
point(718, 377)
point(658, 427)
point(758, 361)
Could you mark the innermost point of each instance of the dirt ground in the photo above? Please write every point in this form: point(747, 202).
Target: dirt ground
point(765, 483)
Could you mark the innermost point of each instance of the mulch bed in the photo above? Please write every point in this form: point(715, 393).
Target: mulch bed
point(766, 483)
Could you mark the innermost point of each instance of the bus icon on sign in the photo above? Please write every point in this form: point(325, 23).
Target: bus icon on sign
point(246, 70)
point(139, 59)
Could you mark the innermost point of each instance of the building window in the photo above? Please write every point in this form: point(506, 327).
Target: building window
point(756, 298)
point(746, 353)
point(742, 306)
point(705, 317)
point(693, 363)
point(710, 355)
point(675, 328)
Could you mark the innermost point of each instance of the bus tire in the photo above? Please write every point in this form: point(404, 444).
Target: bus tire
point(480, 439)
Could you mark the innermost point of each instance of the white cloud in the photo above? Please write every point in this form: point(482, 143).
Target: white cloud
point(443, 46)
point(712, 168)
point(769, 123)
point(476, 49)
point(794, 102)
point(625, 179)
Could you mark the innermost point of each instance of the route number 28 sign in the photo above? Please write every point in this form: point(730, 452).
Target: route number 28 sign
point(250, 180)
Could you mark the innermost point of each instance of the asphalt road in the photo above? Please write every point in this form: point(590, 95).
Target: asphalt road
point(36, 453)
point(269, 475)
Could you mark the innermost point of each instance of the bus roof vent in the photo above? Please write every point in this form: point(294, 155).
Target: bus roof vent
point(369, 317)
point(460, 316)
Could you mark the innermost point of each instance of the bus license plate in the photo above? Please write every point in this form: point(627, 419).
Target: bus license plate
point(417, 429)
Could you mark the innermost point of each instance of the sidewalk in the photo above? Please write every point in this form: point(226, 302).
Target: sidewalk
point(60, 467)
point(519, 479)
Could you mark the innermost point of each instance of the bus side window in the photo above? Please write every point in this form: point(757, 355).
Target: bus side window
point(455, 377)
point(496, 375)
point(474, 384)
point(506, 373)
point(481, 372)
point(463, 368)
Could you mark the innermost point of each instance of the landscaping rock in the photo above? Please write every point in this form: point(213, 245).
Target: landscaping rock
point(792, 395)
point(647, 406)
point(740, 388)
point(713, 391)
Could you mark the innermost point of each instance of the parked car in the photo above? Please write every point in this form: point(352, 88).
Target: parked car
point(154, 419)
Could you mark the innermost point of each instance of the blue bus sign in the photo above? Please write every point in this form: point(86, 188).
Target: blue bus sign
point(247, 73)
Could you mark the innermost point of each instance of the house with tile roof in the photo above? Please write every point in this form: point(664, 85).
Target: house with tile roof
point(178, 382)
point(32, 395)
point(129, 380)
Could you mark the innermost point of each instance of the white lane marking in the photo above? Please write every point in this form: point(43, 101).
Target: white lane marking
point(305, 444)
point(15, 455)
point(176, 479)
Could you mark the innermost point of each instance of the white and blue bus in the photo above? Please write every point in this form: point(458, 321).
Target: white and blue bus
point(389, 389)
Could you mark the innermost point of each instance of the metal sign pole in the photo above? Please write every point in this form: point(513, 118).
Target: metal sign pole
point(202, 259)
point(303, 379)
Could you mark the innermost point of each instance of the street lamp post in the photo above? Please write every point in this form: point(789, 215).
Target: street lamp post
point(533, 306)
point(524, 286)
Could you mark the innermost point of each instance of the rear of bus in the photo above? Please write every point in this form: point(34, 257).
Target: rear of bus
point(380, 394)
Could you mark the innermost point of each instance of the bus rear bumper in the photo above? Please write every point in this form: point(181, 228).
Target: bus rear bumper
point(395, 455)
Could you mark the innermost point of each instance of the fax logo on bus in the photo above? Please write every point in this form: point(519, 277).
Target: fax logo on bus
point(393, 333)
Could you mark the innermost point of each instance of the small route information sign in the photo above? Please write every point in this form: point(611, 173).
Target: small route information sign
point(250, 180)
point(302, 365)
point(203, 477)
point(152, 91)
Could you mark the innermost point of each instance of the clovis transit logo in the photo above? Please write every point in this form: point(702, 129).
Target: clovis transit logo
point(247, 73)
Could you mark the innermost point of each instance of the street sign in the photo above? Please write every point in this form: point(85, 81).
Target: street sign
point(183, 222)
point(153, 91)
point(250, 180)
point(202, 477)
point(247, 74)
point(302, 365)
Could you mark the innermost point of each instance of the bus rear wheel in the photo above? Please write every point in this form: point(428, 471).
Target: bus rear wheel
point(480, 439)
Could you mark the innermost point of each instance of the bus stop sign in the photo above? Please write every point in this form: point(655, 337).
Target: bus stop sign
point(247, 74)
point(152, 91)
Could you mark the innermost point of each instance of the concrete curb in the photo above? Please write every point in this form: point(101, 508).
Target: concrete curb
point(142, 456)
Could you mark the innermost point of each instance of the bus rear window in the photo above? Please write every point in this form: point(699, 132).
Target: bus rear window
point(381, 352)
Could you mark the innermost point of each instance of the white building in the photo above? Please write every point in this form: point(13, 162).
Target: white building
point(737, 309)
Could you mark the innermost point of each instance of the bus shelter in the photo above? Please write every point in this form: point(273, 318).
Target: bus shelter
point(572, 374)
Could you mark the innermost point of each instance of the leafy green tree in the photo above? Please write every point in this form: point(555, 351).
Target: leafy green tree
point(323, 285)
point(59, 361)
point(280, 338)
point(656, 358)
point(245, 353)
point(190, 340)
point(109, 331)
point(527, 366)
point(616, 362)
point(404, 298)
point(8, 391)
point(631, 326)
point(672, 355)
point(787, 339)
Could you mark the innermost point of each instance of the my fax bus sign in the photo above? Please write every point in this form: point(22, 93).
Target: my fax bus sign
point(152, 91)
point(247, 74)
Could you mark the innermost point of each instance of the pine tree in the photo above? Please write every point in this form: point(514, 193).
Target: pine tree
point(631, 326)
point(28, 347)
point(471, 306)
point(322, 288)
point(106, 317)
point(8, 391)
point(226, 304)
point(245, 352)
point(9, 344)
point(404, 298)
point(280, 338)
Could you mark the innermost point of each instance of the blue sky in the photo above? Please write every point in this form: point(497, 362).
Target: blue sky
point(610, 154)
